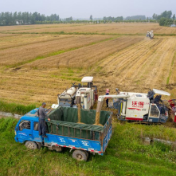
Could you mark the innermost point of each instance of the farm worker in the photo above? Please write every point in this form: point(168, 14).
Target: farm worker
point(42, 116)
point(157, 99)
point(107, 100)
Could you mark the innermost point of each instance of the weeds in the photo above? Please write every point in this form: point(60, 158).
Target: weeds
point(15, 108)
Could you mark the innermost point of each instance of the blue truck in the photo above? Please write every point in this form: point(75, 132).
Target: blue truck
point(64, 131)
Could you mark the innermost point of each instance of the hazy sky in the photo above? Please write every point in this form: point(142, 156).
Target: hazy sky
point(84, 8)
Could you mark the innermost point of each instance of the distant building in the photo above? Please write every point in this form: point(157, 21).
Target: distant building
point(19, 22)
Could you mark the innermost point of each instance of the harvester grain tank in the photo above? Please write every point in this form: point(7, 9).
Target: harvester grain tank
point(86, 91)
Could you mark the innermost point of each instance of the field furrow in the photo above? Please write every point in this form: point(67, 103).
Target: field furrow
point(86, 56)
point(36, 51)
point(13, 41)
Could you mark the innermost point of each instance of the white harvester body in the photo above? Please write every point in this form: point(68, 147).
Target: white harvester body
point(86, 91)
point(137, 106)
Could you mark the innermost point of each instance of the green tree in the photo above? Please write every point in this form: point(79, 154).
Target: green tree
point(91, 17)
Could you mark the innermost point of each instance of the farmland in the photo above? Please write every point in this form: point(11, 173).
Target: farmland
point(37, 62)
point(125, 155)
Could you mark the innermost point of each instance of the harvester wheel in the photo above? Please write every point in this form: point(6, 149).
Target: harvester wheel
point(80, 155)
point(31, 145)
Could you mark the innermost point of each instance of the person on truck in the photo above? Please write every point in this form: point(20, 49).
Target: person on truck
point(107, 100)
point(42, 116)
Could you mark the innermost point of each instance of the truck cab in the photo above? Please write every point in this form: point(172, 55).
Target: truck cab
point(27, 128)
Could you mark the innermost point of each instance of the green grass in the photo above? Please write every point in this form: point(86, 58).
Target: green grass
point(125, 155)
point(15, 108)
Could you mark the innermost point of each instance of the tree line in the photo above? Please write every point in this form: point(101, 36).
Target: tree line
point(25, 18)
point(7, 18)
point(166, 18)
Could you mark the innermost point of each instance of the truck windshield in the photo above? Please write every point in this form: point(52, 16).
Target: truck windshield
point(24, 124)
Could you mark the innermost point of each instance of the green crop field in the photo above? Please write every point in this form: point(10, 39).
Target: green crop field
point(126, 154)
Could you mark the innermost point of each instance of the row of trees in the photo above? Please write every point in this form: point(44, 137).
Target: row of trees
point(7, 18)
point(137, 17)
point(113, 19)
point(165, 19)
point(24, 18)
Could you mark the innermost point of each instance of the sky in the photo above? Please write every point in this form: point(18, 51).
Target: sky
point(85, 8)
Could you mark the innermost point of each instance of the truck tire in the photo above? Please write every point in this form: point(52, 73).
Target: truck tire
point(80, 155)
point(31, 145)
point(39, 145)
point(87, 154)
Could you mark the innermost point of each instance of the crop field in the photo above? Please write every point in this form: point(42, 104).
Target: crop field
point(38, 64)
point(114, 28)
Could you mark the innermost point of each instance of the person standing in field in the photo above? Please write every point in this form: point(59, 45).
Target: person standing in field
point(42, 116)
point(107, 100)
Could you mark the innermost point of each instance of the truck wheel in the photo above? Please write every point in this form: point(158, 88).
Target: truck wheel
point(31, 145)
point(79, 155)
point(39, 145)
point(87, 154)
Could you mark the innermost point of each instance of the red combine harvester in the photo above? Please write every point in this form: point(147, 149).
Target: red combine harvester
point(172, 103)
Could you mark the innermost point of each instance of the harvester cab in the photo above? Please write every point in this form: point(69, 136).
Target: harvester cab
point(86, 91)
point(139, 106)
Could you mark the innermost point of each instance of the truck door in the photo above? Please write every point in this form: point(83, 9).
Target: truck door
point(154, 113)
point(35, 132)
point(24, 132)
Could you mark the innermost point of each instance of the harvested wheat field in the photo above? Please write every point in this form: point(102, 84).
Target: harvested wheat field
point(36, 50)
point(86, 56)
point(114, 28)
point(37, 63)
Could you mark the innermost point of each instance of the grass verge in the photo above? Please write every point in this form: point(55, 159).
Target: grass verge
point(125, 155)
point(15, 108)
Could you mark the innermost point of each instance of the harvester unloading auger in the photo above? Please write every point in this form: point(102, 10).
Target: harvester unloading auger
point(100, 103)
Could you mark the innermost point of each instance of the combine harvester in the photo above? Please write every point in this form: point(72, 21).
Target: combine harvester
point(131, 106)
point(87, 91)
point(138, 106)
point(172, 104)
point(150, 34)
